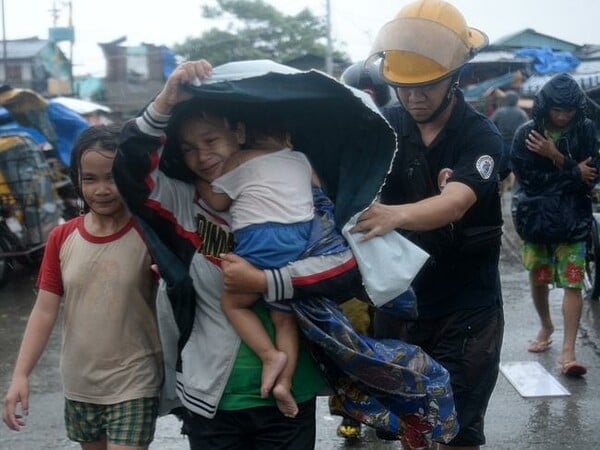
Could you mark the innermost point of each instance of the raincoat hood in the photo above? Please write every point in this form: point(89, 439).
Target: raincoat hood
point(560, 91)
point(348, 142)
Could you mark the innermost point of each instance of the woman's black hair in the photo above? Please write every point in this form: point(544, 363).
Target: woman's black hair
point(171, 162)
point(99, 137)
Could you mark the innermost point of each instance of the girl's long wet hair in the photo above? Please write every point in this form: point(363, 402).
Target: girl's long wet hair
point(99, 137)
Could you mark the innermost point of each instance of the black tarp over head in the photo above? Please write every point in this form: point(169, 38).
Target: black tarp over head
point(349, 144)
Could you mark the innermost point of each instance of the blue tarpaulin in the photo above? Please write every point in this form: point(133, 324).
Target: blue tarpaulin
point(67, 124)
point(169, 61)
point(12, 128)
point(549, 61)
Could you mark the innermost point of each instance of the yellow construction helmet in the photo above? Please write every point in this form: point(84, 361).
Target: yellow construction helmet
point(427, 41)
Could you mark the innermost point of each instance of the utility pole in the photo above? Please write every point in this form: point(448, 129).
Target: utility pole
point(329, 54)
point(4, 55)
point(54, 13)
point(71, 78)
point(59, 34)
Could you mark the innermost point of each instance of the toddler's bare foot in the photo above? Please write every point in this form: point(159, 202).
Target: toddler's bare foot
point(285, 400)
point(272, 367)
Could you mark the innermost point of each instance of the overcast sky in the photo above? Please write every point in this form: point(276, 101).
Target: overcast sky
point(354, 22)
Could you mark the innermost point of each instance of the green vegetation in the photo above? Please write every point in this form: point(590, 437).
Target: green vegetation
point(256, 30)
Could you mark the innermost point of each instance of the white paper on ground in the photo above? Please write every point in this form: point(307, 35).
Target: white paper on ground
point(531, 379)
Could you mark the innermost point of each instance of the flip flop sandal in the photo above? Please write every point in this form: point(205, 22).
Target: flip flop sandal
point(539, 346)
point(573, 369)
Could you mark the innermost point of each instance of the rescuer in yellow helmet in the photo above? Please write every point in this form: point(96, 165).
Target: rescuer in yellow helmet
point(427, 42)
point(442, 193)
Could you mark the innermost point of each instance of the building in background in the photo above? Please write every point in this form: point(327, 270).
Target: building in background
point(36, 64)
point(133, 74)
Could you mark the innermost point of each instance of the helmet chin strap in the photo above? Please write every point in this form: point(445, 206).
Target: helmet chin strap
point(445, 102)
point(443, 105)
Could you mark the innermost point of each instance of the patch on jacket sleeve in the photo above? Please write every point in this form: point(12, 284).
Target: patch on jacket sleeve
point(485, 166)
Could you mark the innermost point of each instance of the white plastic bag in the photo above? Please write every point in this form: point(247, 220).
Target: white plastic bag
point(388, 264)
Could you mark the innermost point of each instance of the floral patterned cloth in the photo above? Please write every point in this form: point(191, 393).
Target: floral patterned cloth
point(560, 264)
point(384, 383)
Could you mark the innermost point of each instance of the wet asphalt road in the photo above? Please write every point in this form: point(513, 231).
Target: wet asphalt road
point(512, 422)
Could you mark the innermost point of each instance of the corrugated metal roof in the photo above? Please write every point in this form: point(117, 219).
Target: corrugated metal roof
point(588, 66)
point(534, 83)
point(477, 91)
point(531, 38)
point(22, 48)
point(498, 56)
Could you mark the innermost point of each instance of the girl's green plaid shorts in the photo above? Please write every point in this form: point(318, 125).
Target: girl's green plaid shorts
point(129, 423)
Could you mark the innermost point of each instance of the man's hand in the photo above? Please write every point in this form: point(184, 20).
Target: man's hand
point(588, 173)
point(428, 214)
point(186, 73)
point(538, 143)
point(240, 276)
point(17, 393)
point(377, 220)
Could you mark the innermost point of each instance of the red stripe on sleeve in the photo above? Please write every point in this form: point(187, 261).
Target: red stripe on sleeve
point(168, 216)
point(50, 275)
point(325, 275)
